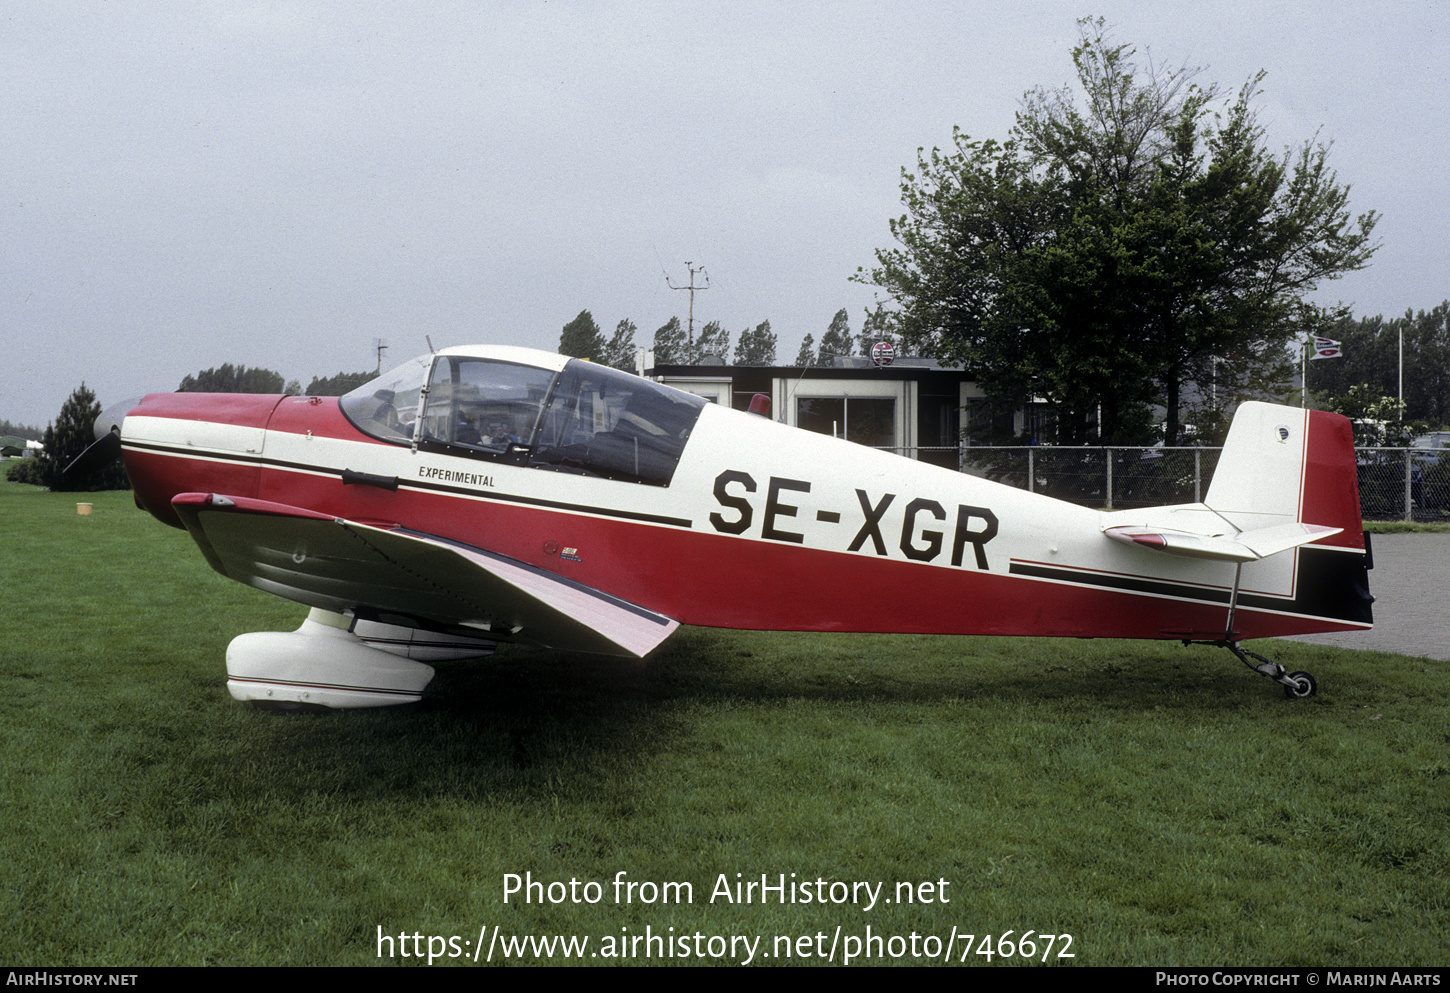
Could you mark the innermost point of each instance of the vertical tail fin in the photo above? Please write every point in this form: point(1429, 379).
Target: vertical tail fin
point(1283, 464)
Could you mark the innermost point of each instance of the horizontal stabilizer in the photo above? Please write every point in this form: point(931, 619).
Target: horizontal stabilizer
point(345, 566)
point(1244, 546)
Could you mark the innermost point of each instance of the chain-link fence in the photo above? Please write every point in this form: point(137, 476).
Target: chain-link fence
point(1404, 484)
point(1395, 484)
point(1112, 478)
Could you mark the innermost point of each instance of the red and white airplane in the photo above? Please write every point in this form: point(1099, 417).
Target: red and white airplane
point(480, 494)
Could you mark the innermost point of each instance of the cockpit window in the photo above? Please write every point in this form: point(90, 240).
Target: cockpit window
point(602, 422)
point(482, 408)
point(485, 408)
point(386, 407)
point(589, 419)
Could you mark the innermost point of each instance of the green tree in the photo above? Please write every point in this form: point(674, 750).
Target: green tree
point(1101, 257)
point(1427, 365)
point(714, 340)
point(582, 339)
point(336, 386)
point(19, 430)
point(1371, 350)
point(65, 439)
point(619, 353)
point(837, 339)
point(756, 347)
point(670, 346)
point(1376, 417)
point(876, 328)
point(233, 379)
point(807, 355)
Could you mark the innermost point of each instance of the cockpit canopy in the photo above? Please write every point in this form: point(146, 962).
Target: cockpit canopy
point(530, 408)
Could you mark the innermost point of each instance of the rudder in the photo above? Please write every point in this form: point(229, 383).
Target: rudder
point(1283, 464)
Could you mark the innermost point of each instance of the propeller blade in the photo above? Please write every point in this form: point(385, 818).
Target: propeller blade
point(97, 456)
point(107, 446)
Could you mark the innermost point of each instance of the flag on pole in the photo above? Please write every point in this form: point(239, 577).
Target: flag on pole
point(1325, 348)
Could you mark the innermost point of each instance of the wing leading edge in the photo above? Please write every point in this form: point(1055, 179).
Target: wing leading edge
point(344, 566)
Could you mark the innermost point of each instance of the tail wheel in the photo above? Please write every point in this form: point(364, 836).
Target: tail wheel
point(1300, 685)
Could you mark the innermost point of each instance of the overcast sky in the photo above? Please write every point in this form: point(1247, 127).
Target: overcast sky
point(278, 184)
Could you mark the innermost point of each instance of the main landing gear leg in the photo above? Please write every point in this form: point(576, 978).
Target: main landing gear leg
point(1296, 684)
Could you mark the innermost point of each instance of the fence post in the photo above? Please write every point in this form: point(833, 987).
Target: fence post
point(1031, 472)
point(1409, 505)
point(1198, 475)
point(1108, 454)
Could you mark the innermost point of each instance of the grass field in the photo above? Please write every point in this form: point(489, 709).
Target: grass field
point(1160, 804)
point(1405, 527)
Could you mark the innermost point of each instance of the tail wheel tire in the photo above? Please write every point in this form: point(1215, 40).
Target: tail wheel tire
point(1301, 685)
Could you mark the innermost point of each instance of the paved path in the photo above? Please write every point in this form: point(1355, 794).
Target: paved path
point(1411, 587)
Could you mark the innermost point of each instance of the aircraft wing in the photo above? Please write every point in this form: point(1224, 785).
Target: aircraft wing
point(342, 565)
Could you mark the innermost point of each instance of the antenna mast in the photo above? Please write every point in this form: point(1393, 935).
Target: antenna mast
point(380, 345)
point(692, 288)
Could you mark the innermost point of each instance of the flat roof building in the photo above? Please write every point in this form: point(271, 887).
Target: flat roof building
point(913, 406)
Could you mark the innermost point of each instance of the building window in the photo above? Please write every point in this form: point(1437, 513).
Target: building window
point(864, 420)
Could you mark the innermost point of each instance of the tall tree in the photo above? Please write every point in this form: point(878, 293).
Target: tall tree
point(19, 430)
point(756, 347)
point(670, 346)
point(1371, 349)
point(714, 340)
point(837, 339)
point(336, 386)
point(67, 437)
point(233, 379)
point(874, 329)
point(1102, 256)
point(582, 339)
point(1427, 366)
point(807, 355)
point(619, 353)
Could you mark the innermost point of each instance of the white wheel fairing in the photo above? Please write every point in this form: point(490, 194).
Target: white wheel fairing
point(320, 665)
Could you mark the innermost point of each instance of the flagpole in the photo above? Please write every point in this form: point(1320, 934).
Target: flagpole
point(1304, 374)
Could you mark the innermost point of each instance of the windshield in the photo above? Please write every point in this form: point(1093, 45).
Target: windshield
point(387, 406)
